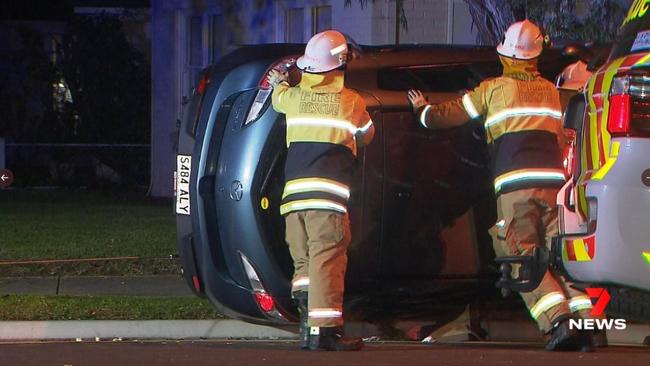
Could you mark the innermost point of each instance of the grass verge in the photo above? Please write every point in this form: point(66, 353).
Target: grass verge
point(70, 224)
point(36, 307)
point(139, 267)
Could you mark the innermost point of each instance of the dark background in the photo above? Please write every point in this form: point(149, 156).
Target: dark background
point(75, 95)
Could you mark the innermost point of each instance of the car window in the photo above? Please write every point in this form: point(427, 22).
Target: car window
point(448, 78)
point(633, 36)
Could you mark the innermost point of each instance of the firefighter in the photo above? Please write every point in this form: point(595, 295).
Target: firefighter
point(326, 124)
point(572, 80)
point(522, 118)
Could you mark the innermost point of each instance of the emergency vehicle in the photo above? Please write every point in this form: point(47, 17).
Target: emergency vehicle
point(604, 207)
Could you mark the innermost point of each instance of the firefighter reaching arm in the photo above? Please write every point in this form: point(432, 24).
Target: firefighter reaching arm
point(451, 114)
point(280, 84)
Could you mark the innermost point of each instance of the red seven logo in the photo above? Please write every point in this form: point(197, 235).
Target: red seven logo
point(602, 299)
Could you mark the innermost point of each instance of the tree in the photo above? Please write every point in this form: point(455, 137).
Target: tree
point(558, 18)
point(109, 81)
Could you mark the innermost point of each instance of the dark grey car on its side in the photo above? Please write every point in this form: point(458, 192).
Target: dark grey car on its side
point(421, 205)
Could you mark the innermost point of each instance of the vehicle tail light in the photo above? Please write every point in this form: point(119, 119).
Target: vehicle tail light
point(570, 136)
point(629, 106)
point(196, 283)
point(265, 89)
point(197, 100)
point(203, 84)
point(264, 300)
point(618, 122)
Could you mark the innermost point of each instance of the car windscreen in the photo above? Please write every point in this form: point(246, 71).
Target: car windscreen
point(634, 34)
point(449, 78)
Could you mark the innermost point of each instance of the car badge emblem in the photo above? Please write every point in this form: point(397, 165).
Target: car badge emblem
point(236, 190)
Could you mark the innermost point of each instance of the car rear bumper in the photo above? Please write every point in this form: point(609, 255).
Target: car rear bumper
point(225, 220)
point(614, 251)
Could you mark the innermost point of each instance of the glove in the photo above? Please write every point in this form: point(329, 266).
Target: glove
point(417, 99)
point(275, 77)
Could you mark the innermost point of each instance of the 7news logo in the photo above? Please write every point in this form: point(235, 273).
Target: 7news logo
point(598, 321)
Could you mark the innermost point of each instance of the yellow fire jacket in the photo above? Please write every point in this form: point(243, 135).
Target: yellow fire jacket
point(325, 124)
point(521, 114)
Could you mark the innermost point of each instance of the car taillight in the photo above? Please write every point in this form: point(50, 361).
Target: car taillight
point(256, 108)
point(197, 100)
point(265, 301)
point(197, 283)
point(570, 136)
point(629, 106)
point(262, 297)
point(203, 84)
point(265, 89)
point(618, 122)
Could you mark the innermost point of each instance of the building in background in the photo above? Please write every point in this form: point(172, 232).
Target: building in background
point(188, 35)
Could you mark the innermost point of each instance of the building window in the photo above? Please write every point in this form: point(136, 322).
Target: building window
point(295, 29)
point(194, 55)
point(219, 41)
point(196, 41)
point(321, 19)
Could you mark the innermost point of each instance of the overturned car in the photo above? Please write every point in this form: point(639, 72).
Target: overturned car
point(422, 201)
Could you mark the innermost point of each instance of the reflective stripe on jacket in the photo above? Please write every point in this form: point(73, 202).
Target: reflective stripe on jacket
point(522, 115)
point(324, 120)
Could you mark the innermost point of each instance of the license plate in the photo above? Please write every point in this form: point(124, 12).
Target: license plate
point(183, 172)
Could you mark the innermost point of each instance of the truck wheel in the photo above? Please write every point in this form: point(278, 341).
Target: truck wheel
point(633, 305)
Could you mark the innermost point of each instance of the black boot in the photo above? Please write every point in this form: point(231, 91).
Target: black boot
point(563, 338)
point(600, 339)
point(332, 339)
point(301, 302)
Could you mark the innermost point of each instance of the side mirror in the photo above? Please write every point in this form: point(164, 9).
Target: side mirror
point(574, 112)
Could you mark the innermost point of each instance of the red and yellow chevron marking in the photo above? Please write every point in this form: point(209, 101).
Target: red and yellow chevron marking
point(646, 256)
point(579, 250)
point(643, 61)
point(597, 140)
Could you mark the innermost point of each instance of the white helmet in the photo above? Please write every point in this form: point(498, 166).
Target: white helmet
point(523, 41)
point(325, 51)
point(573, 77)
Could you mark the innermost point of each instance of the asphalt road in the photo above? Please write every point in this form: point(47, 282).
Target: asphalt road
point(243, 353)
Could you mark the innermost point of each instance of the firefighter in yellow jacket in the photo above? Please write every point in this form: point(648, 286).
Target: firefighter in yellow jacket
point(522, 117)
point(326, 124)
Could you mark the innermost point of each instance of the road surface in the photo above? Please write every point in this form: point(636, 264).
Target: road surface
point(283, 353)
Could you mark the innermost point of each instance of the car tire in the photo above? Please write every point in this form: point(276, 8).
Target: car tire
point(630, 304)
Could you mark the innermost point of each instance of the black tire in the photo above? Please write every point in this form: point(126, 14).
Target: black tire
point(629, 304)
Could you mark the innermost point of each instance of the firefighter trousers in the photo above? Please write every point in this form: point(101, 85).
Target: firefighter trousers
point(318, 241)
point(528, 218)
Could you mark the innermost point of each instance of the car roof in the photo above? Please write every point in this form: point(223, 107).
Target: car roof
point(378, 57)
point(362, 70)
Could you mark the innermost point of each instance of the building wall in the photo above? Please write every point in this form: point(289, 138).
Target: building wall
point(428, 21)
point(165, 98)
point(463, 30)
